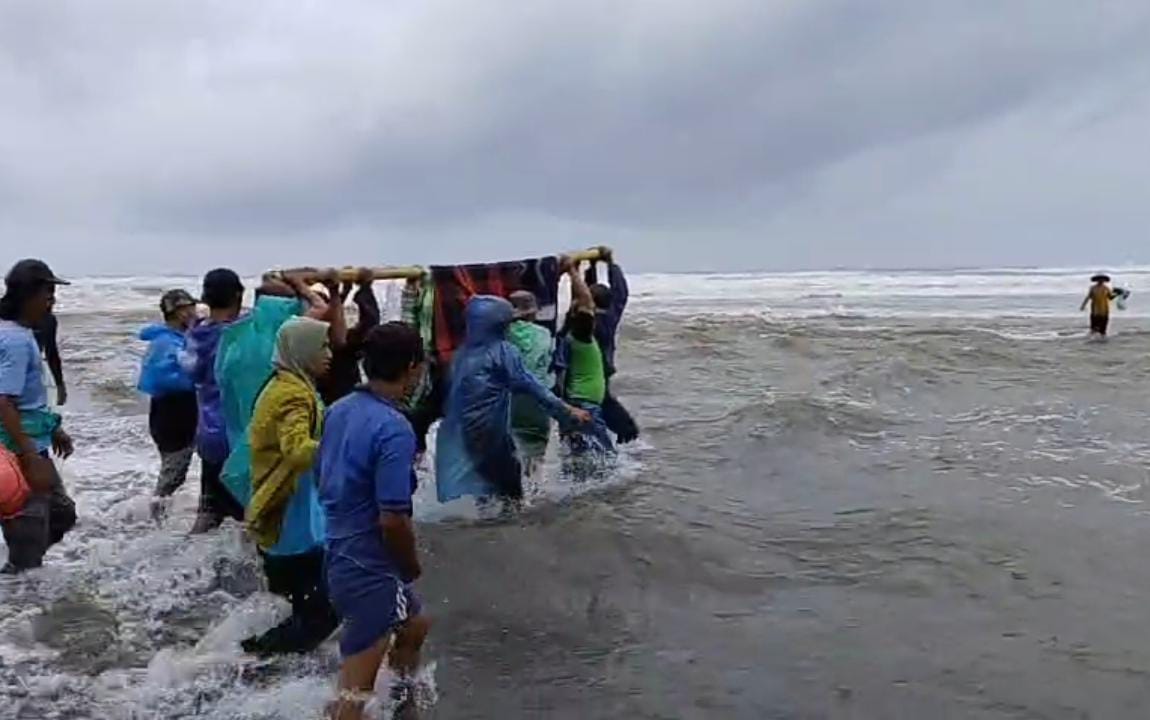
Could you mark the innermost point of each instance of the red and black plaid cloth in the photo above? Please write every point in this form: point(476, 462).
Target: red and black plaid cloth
point(456, 285)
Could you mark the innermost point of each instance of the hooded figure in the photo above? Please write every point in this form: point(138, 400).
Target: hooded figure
point(475, 452)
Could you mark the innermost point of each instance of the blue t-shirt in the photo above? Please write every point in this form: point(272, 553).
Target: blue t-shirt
point(22, 378)
point(21, 372)
point(366, 466)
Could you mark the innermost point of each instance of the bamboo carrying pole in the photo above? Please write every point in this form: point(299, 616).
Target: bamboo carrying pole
point(351, 274)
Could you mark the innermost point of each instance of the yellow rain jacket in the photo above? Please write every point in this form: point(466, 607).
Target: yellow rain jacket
point(284, 435)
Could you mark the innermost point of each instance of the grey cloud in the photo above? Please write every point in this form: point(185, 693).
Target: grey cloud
point(781, 133)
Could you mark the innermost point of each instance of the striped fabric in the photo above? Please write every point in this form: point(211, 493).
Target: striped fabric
point(456, 285)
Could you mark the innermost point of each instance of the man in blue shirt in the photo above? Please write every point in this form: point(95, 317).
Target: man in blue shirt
point(28, 427)
point(367, 479)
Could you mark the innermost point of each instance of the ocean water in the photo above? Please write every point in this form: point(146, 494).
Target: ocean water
point(859, 495)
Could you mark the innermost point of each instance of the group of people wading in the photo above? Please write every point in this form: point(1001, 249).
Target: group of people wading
point(309, 429)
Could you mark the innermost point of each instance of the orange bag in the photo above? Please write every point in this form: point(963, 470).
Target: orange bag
point(14, 490)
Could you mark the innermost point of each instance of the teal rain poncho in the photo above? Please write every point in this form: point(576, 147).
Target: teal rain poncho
point(243, 367)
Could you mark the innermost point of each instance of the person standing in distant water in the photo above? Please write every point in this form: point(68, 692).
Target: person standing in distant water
point(223, 293)
point(345, 374)
point(172, 411)
point(1098, 298)
point(367, 472)
point(530, 423)
point(45, 334)
point(28, 427)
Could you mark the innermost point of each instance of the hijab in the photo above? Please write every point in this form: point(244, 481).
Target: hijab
point(299, 344)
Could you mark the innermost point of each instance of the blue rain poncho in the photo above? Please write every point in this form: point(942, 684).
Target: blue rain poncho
point(475, 453)
point(161, 371)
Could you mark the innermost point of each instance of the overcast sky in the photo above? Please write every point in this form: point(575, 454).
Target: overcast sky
point(138, 135)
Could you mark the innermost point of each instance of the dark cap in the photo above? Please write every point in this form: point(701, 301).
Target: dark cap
point(32, 272)
point(174, 300)
point(524, 303)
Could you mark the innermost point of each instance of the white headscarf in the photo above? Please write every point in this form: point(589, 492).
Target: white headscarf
point(299, 345)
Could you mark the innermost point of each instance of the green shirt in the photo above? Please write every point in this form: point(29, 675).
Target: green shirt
point(586, 377)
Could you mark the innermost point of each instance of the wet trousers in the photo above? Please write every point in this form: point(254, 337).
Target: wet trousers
point(299, 579)
point(44, 521)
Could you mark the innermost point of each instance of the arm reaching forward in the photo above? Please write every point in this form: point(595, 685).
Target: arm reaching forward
point(522, 382)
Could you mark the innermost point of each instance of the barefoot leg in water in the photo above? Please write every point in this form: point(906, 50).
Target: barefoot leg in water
point(358, 675)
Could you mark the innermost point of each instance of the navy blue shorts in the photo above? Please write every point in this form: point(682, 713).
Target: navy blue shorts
point(371, 606)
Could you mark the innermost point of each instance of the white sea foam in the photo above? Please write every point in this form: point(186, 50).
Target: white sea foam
point(151, 578)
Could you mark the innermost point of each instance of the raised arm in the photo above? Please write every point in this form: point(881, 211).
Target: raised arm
point(337, 330)
point(620, 291)
point(277, 285)
point(369, 313)
point(581, 298)
point(591, 275)
point(330, 311)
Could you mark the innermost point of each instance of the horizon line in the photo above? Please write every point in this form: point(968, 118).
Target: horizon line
point(1061, 269)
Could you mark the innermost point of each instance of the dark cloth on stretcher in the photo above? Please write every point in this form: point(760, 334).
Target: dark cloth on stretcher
point(456, 285)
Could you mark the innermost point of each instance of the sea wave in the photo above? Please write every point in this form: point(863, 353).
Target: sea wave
point(989, 294)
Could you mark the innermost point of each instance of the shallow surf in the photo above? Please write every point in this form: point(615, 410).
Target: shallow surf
point(904, 508)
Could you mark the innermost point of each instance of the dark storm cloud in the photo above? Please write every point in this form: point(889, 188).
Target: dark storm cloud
point(778, 132)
